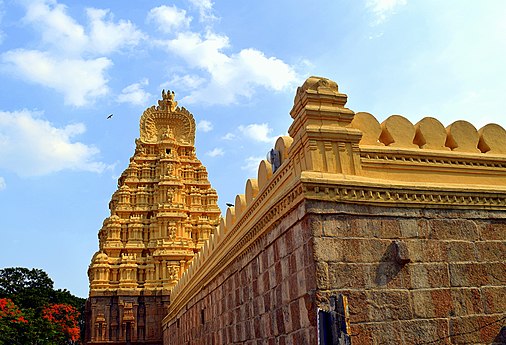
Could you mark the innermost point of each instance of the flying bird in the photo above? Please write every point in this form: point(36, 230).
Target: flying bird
point(229, 204)
point(110, 115)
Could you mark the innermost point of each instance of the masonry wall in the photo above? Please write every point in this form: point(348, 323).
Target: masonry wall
point(450, 292)
point(147, 313)
point(264, 297)
point(403, 224)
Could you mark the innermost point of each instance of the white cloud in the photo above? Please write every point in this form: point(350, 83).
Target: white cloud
point(198, 52)
point(169, 18)
point(3, 185)
point(58, 30)
point(135, 94)
point(205, 8)
point(205, 126)
point(229, 136)
point(79, 80)
point(251, 164)
point(216, 152)
point(107, 36)
point(231, 76)
point(71, 60)
point(382, 9)
point(257, 131)
point(186, 81)
point(31, 146)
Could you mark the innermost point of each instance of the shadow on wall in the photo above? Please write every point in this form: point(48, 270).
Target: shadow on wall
point(393, 260)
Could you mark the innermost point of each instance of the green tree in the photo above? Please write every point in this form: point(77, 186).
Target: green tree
point(50, 316)
point(27, 288)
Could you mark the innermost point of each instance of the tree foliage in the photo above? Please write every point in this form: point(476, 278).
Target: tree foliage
point(33, 312)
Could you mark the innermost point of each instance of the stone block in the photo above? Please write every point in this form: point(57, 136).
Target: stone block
point(329, 249)
point(386, 228)
point(427, 275)
point(335, 226)
point(301, 282)
point(494, 230)
point(305, 311)
point(453, 229)
point(292, 263)
point(494, 299)
point(434, 303)
point(476, 329)
point(460, 251)
point(322, 275)
point(401, 332)
point(491, 250)
point(466, 301)
point(295, 315)
point(342, 276)
point(387, 275)
point(309, 256)
point(368, 250)
point(294, 285)
point(471, 274)
point(388, 305)
point(310, 275)
point(300, 257)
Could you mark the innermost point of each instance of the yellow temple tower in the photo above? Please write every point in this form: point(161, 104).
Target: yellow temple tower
point(161, 214)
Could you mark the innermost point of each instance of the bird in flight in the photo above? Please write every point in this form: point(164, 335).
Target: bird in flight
point(110, 115)
point(229, 204)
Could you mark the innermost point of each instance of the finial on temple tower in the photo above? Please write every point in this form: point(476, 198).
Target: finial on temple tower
point(168, 100)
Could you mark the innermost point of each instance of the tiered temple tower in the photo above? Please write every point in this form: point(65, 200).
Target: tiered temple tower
point(161, 214)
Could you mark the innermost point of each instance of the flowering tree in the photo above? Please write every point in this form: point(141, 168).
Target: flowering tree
point(12, 320)
point(33, 312)
point(63, 318)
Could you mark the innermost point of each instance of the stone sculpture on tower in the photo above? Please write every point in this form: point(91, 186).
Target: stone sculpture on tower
point(161, 214)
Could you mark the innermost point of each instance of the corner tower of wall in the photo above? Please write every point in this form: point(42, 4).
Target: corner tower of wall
point(403, 224)
point(162, 213)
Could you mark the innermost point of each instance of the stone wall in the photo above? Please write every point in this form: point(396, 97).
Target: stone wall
point(265, 296)
point(372, 233)
point(447, 287)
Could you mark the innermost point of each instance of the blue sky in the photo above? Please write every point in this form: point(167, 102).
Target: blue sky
point(66, 65)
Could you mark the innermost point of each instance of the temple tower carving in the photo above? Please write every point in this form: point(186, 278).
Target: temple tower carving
point(161, 215)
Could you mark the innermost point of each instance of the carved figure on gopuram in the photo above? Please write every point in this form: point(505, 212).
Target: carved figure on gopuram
point(161, 214)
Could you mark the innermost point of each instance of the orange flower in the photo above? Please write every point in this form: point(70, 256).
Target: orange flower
point(65, 317)
point(10, 312)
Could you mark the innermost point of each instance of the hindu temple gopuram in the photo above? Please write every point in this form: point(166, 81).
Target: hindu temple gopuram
point(355, 231)
point(161, 214)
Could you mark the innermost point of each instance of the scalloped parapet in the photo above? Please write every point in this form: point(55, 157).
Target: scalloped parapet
point(430, 134)
point(492, 139)
point(370, 128)
point(462, 137)
point(397, 131)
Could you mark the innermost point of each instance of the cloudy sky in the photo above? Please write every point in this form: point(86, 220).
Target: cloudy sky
point(66, 65)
